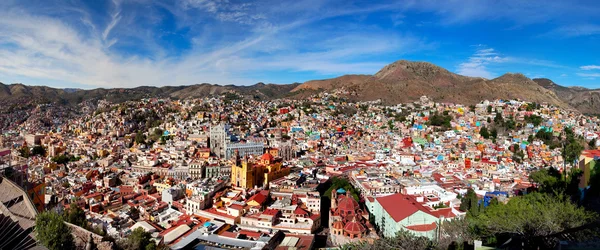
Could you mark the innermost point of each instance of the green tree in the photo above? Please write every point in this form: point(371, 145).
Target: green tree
point(24, 152)
point(548, 180)
point(139, 240)
point(494, 133)
point(52, 232)
point(592, 143)
point(140, 138)
point(484, 132)
point(489, 109)
point(572, 151)
point(337, 183)
point(403, 240)
point(75, 215)
point(534, 119)
point(455, 232)
point(532, 218)
point(498, 119)
point(38, 150)
point(61, 159)
point(469, 201)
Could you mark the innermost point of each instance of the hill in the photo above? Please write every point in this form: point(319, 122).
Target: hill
point(406, 81)
point(585, 100)
point(41, 94)
point(401, 81)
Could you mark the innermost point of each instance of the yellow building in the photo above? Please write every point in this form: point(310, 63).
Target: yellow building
point(246, 174)
point(160, 186)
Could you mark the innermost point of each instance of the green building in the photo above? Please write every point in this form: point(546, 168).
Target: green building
point(398, 212)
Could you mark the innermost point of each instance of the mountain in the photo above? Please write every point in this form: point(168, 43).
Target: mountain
point(406, 81)
point(585, 100)
point(401, 81)
point(261, 91)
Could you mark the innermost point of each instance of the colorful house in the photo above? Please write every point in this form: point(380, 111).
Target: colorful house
point(399, 212)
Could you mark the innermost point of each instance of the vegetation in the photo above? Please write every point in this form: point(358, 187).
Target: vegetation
point(52, 232)
point(469, 202)
point(440, 205)
point(24, 152)
point(440, 120)
point(534, 119)
point(551, 181)
point(139, 240)
point(531, 219)
point(63, 159)
point(484, 132)
point(573, 146)
point(403, 241)
point(337, 183)
point(38, 150)
point(75, 215)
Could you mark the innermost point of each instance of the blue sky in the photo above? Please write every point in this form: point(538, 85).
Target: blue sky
point(121, 43)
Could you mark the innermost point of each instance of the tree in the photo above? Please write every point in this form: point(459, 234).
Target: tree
point(484, 132)
point(337, 183)
point(61, 159)
point(52, 232)
point(403, 240)
point(548, 180)
point(494, 133)
point(572, 151)
point(455, 232)
point(76, 216)
point(489, 109)
point(440, 120)
point(24, 152)
point(140, 138)
point(498, 119)
point(139, 240)
point(534, 119)
point(469, 201)
point(592, 143)
point(38, 150)
point(532, 218)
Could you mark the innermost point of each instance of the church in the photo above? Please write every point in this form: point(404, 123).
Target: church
point(250, 173)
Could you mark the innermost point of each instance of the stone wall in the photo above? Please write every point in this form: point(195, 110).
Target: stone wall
point(81, 236)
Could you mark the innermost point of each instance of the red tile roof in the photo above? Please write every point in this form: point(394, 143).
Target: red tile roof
point(400, 206)
point(260, 198)
point(250, 234)
point(271, 212)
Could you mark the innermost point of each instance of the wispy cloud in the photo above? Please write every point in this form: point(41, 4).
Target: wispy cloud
point(575, 30)
point(477, 64)
point(589, 74)
point(590, 67)
point(45, 47)
point(115, 18)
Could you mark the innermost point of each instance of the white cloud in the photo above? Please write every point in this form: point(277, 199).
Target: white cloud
point(590, 75)
point(575, 30)
point(563, 75)
point(115, 18)
point(590, 67)
point(46, 48)
point(477, 64)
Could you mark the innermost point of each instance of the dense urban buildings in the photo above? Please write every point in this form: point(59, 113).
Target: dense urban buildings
point(288, 173)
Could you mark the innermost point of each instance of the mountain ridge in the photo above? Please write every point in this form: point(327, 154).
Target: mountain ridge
point(398, 82)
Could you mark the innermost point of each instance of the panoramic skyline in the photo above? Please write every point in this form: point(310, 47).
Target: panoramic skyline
point(90, 44)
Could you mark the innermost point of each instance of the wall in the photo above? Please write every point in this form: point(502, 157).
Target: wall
point(81, 236)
